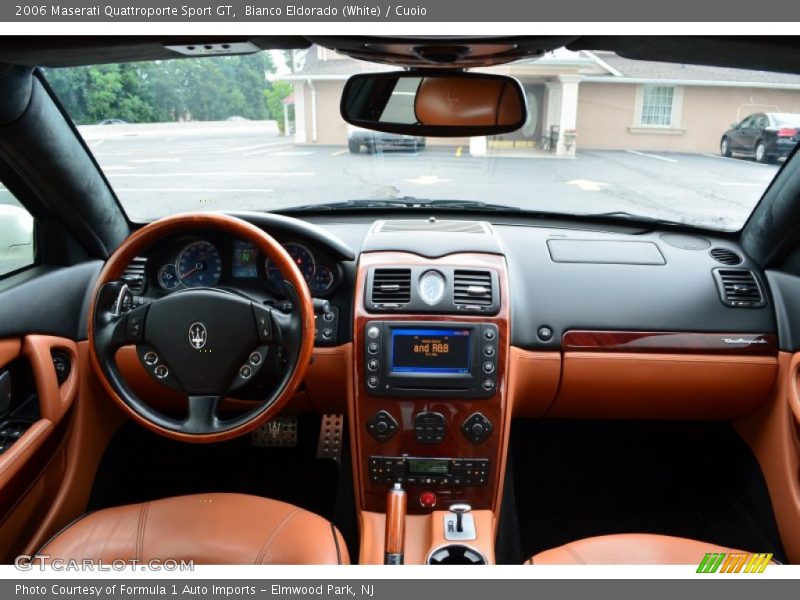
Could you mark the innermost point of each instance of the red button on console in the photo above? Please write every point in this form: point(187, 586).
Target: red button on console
point(427, 499)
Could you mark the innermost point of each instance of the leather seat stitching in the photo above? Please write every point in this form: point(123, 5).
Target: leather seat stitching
point(140, 531)
point(574, 554)
point(268, 543)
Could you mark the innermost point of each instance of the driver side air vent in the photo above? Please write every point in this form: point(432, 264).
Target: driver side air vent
point(739, 288)
point(391, 286)
point(134, 275)
point(725, 256)
point(472, 287)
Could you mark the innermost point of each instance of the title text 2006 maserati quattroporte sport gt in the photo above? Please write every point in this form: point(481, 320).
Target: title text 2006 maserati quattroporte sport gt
point(567, 332)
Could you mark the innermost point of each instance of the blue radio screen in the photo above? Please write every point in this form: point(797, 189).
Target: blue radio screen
point(430, 350)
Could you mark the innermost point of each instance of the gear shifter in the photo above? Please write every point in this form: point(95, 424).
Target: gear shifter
point(459, 524)
point(395, 526)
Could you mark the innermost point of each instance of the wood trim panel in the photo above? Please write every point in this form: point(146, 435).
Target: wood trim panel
point(372, 497)
point(749, 344)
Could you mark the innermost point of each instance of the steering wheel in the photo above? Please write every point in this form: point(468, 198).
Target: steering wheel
point(203, 342)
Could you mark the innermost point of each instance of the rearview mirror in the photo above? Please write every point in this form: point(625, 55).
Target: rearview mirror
point(436, 104)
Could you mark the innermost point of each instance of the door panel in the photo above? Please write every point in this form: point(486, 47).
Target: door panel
point(34, 422)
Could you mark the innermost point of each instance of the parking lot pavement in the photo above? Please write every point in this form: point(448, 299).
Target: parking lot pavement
point(215, 170)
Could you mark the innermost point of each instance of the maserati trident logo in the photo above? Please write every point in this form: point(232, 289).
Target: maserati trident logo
point(197, 335)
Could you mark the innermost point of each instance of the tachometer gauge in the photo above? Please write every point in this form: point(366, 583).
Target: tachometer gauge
point(322, 280)
point(301, 256)
point(431, 287)
point(168, 277)
point(199, 264)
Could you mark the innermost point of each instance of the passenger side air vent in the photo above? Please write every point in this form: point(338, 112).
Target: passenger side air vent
point(391, 286)
point(134, 275)
point(725, 256)
point(472, 288)
point(739, 288)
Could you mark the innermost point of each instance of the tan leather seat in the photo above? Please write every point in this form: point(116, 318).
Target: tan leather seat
point(629, 549)
point(205, 528)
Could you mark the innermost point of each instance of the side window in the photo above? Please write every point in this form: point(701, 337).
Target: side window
point(761, 121)
point(748, 122)
point(16, 234)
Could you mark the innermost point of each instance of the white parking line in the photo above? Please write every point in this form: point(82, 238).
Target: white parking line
point(97, 143)
point(154, 160)
point(244, 148)
point(268, 150)
point(339, 152)
point(739, 161)
point(118, 168)
point(220, 174)
point(664, 158)
point(742, 184)
point(198, 190)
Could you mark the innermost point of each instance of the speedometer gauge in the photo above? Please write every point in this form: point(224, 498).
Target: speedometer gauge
point(301, 256)
point(199, 264)
point(431, 287)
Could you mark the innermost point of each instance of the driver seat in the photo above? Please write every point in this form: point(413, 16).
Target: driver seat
point(204, 528)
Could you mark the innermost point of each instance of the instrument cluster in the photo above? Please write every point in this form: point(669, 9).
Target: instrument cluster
point(190, 262)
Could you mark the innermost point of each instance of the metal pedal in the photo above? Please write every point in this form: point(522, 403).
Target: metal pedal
point(280, 432)
point(330, 438)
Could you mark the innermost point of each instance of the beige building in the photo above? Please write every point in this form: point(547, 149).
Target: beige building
point(579, 101)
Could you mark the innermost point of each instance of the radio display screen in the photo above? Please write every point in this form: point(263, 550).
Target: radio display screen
point(428, 467)
point(430, 350)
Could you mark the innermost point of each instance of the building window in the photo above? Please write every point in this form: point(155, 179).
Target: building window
point(657, 103)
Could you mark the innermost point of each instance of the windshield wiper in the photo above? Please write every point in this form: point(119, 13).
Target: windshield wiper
point(405, 203)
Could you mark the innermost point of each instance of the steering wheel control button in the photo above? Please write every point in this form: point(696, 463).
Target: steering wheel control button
point(373, 332)
point(150, 358)
point(135, 324)
point(477, 428)
point(429, 427)
point(263, 322)
point(161, 371)
point(427, 500)
point(245, 372)
point(382, 426)
point(255, 358)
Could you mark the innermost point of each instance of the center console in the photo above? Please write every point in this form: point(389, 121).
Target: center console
point(431, 339)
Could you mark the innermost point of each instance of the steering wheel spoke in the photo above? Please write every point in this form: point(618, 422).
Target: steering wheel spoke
point(202, 414)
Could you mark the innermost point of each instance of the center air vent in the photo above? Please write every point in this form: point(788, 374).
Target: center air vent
point(725, 256)
point(134, 275)
point(739, 288)
point(472, 288)
point(391, 286)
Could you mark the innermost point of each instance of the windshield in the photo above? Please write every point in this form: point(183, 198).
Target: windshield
point(605, 135)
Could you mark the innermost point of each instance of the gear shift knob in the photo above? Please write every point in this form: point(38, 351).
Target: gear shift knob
point(460, 509)
point(395, 526)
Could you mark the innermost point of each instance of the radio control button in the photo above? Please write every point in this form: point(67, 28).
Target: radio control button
point(488, 367)
point(382, 426)
point(372, 364)
point(477, 428)
point(488, 350)
point(372, 381)
point(372, 348)
point(489, 333)
point(427, 499)
point(488, 384)
point(373, 332)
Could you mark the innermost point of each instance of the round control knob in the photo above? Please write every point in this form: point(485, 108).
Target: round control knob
point(373, 332)
point(427, 499)
point(372, 348)
point(372, 365)
point(478, 429)
point(245, 372)
point(489, 334)
point(328, 317)
point(372, 381)
point(488, 350)
point(150, 358)
point(381, 427)
point(255, 358)
point(488, 367)
point(161, 371)
point(488, 384)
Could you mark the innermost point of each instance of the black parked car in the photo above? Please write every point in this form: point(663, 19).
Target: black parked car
point(765, 136)
point(358, 138)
